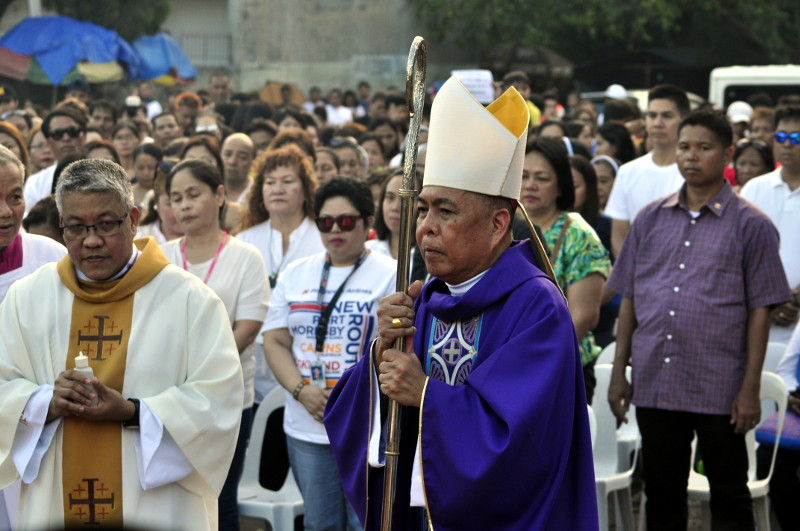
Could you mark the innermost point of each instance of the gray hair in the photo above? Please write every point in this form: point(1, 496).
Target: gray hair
point(94, 176)
point(7, 158)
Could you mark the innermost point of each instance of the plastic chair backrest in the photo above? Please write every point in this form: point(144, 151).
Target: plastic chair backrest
point(592, 424)
point(607, 354)
point(252, 460)
point(605, 449)
point(774, 354)
point(772, 388)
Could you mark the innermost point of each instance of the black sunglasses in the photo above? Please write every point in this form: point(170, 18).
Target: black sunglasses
point(58, 134)
point(346, 222)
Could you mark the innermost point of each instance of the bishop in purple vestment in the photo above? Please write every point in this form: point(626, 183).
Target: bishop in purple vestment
point(494, 431)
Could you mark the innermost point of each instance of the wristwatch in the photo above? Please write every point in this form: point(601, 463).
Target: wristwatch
point(133, 422)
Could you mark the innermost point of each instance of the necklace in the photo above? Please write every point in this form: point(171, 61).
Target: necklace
point(213, 261)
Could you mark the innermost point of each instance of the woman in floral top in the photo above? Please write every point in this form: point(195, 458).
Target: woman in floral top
point(580, 261)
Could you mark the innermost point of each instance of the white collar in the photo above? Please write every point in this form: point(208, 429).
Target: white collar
point(459, 290)
point(134, 256)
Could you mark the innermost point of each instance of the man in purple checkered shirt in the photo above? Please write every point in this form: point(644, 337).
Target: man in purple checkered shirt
point(698, 274)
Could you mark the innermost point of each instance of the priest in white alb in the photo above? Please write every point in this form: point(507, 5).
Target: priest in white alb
point(146, 442)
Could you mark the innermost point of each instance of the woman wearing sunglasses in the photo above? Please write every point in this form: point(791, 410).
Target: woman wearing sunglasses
point(235, 271)
point(340, 289)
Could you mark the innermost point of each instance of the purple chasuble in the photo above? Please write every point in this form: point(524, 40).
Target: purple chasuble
point(11, 256)
point(507, 449)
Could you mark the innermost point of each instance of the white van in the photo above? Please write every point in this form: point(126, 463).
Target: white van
point(731, 83)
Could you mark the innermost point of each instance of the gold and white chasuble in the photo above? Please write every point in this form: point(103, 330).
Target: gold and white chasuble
point(159, 335)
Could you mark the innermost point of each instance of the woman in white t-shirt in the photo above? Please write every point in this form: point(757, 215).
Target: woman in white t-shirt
point(235, 271)
point(279, 222)
point(279, 216)
point(341, 287)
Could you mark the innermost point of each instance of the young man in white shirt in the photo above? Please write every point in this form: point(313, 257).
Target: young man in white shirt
point(777, 193)
point(653, 175)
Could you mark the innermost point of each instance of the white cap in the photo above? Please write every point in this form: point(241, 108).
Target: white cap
point(133, 101)
point(739, 111)
point(476, 148)
point(616, 92)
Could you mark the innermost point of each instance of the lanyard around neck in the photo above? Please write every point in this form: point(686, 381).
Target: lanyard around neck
point(213, 261)
point(273, 278)
point(325, 314)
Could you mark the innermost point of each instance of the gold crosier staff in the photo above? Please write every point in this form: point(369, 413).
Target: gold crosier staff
point(415, 96)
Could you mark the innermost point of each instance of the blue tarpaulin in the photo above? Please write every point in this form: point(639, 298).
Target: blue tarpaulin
point(59, 43)
point(161, 55)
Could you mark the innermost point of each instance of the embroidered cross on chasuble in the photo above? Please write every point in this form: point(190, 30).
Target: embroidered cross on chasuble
point(100, 327)
point(452, 348)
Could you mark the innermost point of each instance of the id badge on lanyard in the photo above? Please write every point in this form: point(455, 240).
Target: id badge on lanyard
point(318, 373)
point(318, 378)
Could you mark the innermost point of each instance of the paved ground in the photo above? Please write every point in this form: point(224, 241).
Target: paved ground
point(254, 524)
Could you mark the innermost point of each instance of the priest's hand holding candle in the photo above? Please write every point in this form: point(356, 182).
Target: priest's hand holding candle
point(72, 396)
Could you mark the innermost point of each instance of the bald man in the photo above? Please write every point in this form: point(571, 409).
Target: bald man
point(238, 152)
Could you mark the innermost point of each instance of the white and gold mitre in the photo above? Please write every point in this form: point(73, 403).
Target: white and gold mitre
point(476, 148)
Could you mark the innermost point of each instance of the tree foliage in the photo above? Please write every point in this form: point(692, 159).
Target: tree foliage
point(4, 4)
point(585, 29)
point(130, 19)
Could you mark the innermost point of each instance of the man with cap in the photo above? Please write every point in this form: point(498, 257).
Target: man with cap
point(494, 430)
point(739, 113)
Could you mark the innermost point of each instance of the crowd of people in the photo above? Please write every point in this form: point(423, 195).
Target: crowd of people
point(670, 231)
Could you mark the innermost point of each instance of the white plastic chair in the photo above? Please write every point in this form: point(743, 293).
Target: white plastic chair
point(607, 354)
point(773, 389)
point(279, 508)
point(610, 481)
point(592, 425)
point(774, 354)
point(628, 438)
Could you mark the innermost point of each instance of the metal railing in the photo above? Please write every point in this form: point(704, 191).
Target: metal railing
point(207, 49)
